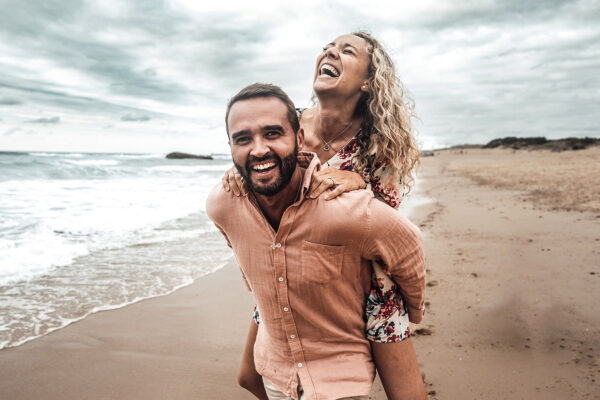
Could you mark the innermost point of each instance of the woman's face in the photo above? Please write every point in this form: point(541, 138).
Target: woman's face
point(342, 67)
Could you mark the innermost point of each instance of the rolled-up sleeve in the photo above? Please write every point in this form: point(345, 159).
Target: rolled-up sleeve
point(394, 240)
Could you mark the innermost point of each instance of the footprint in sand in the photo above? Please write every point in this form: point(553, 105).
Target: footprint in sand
point(423, 332)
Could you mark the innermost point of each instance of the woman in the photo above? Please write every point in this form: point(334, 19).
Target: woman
point(361, 130)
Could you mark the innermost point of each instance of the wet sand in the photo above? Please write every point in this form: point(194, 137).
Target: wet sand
point(512, 295)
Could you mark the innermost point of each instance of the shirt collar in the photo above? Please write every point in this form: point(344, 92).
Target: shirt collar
point(310, 163)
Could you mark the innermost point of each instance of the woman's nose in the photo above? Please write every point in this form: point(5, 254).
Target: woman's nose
point(331, 52)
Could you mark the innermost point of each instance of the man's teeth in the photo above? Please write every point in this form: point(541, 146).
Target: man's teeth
point(261, 167)
point(329, 70)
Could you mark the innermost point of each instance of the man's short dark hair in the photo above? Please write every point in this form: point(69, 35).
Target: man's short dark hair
point(265, 90)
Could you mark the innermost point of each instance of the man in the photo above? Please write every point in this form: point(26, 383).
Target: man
point(307, 261)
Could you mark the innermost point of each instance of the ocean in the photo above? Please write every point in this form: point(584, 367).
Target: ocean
point(81, 232)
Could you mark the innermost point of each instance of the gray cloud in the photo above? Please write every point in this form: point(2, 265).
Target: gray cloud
point(45, 120)
point(477, 70)
point(11, 131)
point(60, 31)
point(9, 101)
point(135, 117)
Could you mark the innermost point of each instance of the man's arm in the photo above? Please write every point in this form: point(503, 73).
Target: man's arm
point(397, 244)
point(216, 208)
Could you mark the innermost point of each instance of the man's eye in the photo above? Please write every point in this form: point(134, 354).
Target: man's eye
point(348, 51)
point(242, 140)
point(272, 134)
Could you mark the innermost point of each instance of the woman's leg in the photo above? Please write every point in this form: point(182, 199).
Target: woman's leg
point(398, 370)
point(248, 378)
point(387, 327)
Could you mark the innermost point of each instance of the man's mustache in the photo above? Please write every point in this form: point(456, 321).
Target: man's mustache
point(267, 157)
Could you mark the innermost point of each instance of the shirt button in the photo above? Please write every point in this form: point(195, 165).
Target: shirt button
point(285, 309)
point(281, 279)
point(299, 364)
point(293, 336)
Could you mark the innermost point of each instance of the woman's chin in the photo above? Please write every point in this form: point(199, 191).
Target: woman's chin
point(321, 85)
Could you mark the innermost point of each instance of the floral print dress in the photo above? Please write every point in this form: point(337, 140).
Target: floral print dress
point(385, 316)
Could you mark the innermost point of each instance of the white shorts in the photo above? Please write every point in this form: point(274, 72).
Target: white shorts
point(275, 394)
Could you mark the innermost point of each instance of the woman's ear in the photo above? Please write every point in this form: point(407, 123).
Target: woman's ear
point(365, 86)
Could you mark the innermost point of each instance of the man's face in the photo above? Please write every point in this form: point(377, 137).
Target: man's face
point(263, 144)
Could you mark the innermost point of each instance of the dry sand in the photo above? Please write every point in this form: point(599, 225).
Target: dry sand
point(514, 278)
point(512, 297)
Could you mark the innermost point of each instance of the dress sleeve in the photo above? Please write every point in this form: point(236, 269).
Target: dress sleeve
point(389, 194)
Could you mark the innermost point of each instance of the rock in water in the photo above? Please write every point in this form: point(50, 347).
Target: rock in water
point(178, 156)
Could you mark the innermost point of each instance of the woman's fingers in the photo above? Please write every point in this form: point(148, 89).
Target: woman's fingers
point(320, 185)
point(233, 183)
point(336, 192)
point(225, 181)
point(239, 182)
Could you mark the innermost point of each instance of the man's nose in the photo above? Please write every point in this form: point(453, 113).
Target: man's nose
point(260, 148)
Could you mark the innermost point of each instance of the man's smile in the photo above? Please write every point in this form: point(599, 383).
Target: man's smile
point(264, 166)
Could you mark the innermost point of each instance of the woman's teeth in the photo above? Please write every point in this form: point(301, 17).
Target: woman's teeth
point(329, 70)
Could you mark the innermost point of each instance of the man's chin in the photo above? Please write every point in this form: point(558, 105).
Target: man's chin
point(268, 188)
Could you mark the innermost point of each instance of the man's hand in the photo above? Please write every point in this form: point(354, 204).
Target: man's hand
point(332, 178)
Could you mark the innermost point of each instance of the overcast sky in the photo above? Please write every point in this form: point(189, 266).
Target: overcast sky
point(155, 76)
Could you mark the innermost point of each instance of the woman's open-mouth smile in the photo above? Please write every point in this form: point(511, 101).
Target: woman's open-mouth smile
point(328, 71)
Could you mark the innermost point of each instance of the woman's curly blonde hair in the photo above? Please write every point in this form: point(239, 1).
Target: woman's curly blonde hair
point(387, 137)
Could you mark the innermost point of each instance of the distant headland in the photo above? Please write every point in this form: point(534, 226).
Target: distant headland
point(534, 143)
point(178, 156)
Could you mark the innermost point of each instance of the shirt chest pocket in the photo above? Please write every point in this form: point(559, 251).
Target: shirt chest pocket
point(320, 262)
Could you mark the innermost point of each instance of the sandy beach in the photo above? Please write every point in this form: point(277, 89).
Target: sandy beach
point(513, 253)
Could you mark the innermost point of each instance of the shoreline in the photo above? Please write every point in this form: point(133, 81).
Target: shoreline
point(163, 347)
point(99, 309)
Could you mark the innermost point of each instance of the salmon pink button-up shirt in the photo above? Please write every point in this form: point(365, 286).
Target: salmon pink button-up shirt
point(311, 278)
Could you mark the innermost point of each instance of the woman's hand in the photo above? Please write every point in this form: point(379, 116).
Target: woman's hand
point(332, 178)
point(232, 180)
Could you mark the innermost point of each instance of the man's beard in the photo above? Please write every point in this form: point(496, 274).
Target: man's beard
point(286, 167)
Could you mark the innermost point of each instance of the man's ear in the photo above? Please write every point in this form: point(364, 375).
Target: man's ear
point(300, 139)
